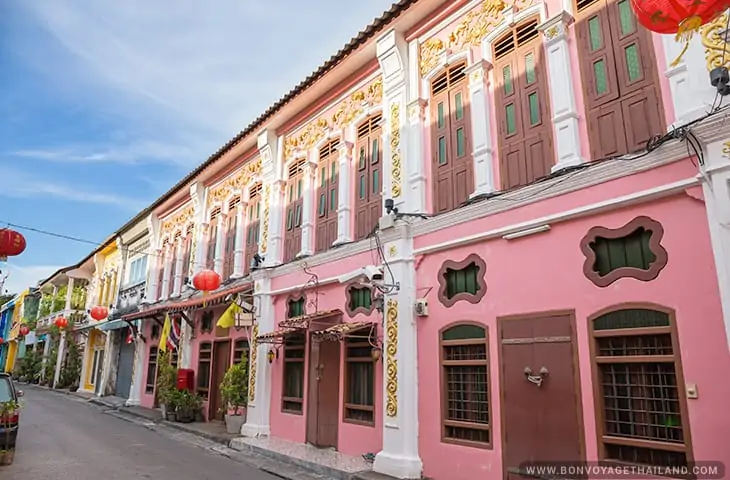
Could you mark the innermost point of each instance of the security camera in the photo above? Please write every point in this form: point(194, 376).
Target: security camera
point(368, 273)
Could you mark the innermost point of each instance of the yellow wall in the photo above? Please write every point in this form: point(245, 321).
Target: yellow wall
point(12, 351)
point(107, 275)
point(95, 343)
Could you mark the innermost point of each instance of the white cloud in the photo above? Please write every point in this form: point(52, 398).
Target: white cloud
point(17, 184)
point(20, 278)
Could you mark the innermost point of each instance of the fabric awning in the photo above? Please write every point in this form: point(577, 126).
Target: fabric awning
point(112, 325)
point(277, 336)
point(342, 330)
point(305, 321)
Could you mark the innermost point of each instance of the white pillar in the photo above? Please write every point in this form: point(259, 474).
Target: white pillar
point(138, 368)
point(259, 389)
point(220, 244)
point(344, 194)
point(481, 128)
point(400, 457)
point(179, 260)
point(167, 263)
point(59, 358)
point(418, 165)
point(201, 254)
point(238, 249)
point(271, 238)
point(308, 212)
point(186, 345)
point(562, 95)
point(69, 293)
point(153, 272)
point(106, 367)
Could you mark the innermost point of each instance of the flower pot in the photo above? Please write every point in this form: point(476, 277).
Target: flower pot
point(185, 416)
point(171, 416)
point(6, 457)
point(234, 423)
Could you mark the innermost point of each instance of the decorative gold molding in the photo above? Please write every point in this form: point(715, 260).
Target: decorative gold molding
point(391, 365)
point(429, 53)
point(552, 32)
point(238, 181)
point(179, 220)
point(348, 110)
point(726, 149)
point(714, 43)
point(392, 251)
point(265, 234)
point(252, 367)
point(395, 157)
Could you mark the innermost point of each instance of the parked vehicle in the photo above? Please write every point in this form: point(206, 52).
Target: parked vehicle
point(9, 417)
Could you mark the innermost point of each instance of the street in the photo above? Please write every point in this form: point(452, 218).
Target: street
point(63, 438)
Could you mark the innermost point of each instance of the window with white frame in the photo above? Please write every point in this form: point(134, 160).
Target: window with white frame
point(137, 270)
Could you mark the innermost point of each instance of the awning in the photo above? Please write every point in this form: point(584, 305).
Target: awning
point(305, 321)
point(342, 330)
point(112, 325)
point(277, 336)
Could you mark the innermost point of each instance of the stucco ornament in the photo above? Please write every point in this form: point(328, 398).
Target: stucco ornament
point(391, 362)
point(714, 41)
point(178, 221)
point(265, 232)
point(395, 150)
point(726, 149)
point(252, 368)
point(239, 180)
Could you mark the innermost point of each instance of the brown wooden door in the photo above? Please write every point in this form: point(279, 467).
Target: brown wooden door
point(294, 205)
point(368, 187)
point(324, 393)
point(253, 217)
point(221, 361)
point(540, 423)
point(327, 191)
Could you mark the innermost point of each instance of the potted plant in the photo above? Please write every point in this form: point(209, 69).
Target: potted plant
point(188, 406)
point(166, 382)
point(173, 400)
point(234, 393)
point(8, 417)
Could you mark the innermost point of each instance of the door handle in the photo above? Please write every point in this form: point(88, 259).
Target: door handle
point(536, 379)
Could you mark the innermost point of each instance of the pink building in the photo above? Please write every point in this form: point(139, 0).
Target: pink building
point(470, 245)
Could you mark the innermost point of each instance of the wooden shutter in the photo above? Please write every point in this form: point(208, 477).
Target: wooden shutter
point(252, 227)
point(212, 238)
point(327, 193)
point(368, 186)
point(293, 225)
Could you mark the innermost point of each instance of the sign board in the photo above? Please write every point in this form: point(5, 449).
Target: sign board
point(244, 319)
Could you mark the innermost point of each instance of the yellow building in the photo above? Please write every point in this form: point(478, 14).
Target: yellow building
point(13, 338)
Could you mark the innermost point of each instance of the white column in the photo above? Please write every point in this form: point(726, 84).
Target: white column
point(220, 244)
point(400, 457)
point(167, 262)
point(416, 160)
point(271, 238)
point(562, 96)
point(110, 353)
point(201, 248)
point(186, 342)
point(179, 260)
point(259, 405)
point(198, 194)
point(238, 249)
point(153, 272)
point(69, 293)
point(344, 194)
point(481, 127)
point(46, 351)
point(135, 390)
point(308, 212)
point(59, 358)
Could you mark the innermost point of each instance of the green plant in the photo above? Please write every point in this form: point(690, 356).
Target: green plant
point(188, 405)
point(78, 297)
point(49, 369)
point(59, 299)
point(8, 412)
point(71, 369)
point(29, 367)
point(234, 388)
point(166, 378)
point(44, 309)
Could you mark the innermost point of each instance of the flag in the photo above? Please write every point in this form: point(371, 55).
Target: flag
point(165, 333)
point(228, 319)
point(173, 340)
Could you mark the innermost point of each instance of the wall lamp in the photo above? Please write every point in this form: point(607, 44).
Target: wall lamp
point(272, 354)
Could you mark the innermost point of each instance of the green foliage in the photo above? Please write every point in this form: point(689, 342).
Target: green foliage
point(29, 367)
point(59, 300)
point(166, 378)
point(5, 298)
point(188, 405)
point(30, 308)
point(49, 370)
point(71, 369)
point(7, 409)
point(78, 298)
point(234, 388)
point(44, 309)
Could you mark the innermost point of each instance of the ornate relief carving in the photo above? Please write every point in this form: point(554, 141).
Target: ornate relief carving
point(252, 368)
point(714, 40)
point(726, 149)
point(391, 362)
point(264, 245)
point(429, 53)
point(235, 182)
point(392, 251)
point(178, 220)
point(349, 109)
point(395, 157)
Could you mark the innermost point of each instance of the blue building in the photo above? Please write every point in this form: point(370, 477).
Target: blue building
point(6, 323)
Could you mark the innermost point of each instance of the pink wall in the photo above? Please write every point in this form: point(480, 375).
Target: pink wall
point(147, 400)
point(544, 272)
point(352, 439)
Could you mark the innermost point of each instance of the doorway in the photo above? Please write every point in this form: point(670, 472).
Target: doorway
point(323, 401)
point(541, 409)
point(221, 361)
point(125, 369)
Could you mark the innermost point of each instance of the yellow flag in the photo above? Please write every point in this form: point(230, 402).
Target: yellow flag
point(165, 333)
point(228, 319)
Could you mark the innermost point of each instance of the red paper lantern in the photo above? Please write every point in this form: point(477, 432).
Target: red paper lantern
point(99, 313)
point(24, 330)
point(61, 322)
point(1, 340)
point(12, 243)
point(680, 17)
point(207, 281)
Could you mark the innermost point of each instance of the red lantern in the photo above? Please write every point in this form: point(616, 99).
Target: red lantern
point(99, 313)
point(1, 340)
point(12, 243)
point(24, 330)
point(61, 322)
point(207, 281)
point(681, 17)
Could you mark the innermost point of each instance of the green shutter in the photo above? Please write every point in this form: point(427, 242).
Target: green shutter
point(633, 63)
point(333, 200)
point(459, 106)
point(440, 115)
point(464, 332)
point(626, 18)
point(375, 152)
point(322, 203)
point(509, 113)
point(460, 142)
point(376, 181)
point(534, 108)
point(362, 187)
point(530, 68)
point(507, 78)
point(595, 34)
point(600, 77)
point(442, 150)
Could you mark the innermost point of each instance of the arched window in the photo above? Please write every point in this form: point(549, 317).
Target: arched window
point(294, 196)
point(452, 170)
point(229, 249)
point(642, 412)
point(523, 112)
point(369, 188)
point(212, 238)
point(327, 190)
point(619, 76)
point(252, 226)
point(465, 385)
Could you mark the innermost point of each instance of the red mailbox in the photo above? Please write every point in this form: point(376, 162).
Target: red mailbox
point(186, 379)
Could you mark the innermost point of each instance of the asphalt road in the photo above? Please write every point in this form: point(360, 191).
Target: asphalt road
point(63, 438)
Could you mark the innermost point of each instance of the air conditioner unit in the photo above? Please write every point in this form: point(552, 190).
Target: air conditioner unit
point(421, 307)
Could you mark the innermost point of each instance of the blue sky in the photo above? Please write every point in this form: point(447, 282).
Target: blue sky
point(106, 104)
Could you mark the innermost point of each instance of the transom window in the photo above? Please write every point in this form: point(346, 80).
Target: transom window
point(636, 367)
point(359, 382)
point(465, 385)
point(292, 397)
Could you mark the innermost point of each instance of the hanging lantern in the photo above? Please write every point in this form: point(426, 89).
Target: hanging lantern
point(61, 322)
point(680, 17)
point(99, 313)
point(12, 243)
point(24, 330)
point(207, 281)
point(1, 340)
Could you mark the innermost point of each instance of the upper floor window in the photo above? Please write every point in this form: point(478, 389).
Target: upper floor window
point(173, 262)
point(619, 76)
point(137, 270)
point(160, 260)
point(187, 252)
point(452, 167)
point(327, 191)
point(369, 188)
point(253, 218)
point(294, 196)
point(229, 254)
point(521, 97)
point(212, 238)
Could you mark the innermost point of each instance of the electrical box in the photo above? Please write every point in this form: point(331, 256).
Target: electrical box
point(421, 307)
point(186, 379)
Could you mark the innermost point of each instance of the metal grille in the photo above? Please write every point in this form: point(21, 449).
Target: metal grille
point(467, 393)
point(633, 346)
